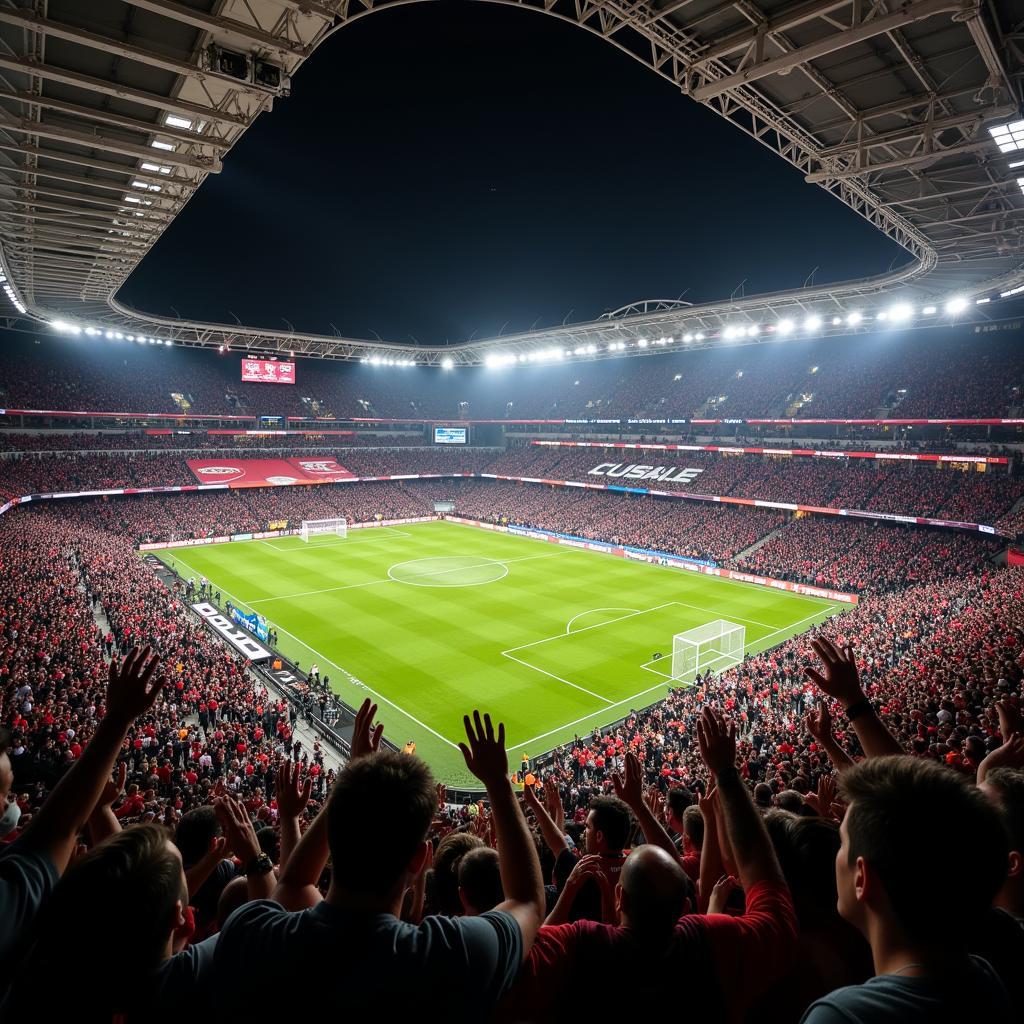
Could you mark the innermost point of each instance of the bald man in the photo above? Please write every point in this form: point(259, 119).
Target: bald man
point(656, 958)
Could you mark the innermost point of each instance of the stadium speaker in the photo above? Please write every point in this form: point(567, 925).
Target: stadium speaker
point(231, 63)
point(266, 74)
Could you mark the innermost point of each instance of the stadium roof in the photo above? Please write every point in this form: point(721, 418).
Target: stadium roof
point(114, 111)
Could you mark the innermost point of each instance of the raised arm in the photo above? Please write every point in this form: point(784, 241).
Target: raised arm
point(629, 788)
point(292, 797)
point(550, 832)
point(131, 691)
point(711, 866)
point(751, 847)
point(242, 842)
point(103, 822)
point(819, 725)
point(297, 886)
point(839, 679)
point(521, 877)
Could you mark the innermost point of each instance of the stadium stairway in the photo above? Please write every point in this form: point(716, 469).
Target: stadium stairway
point(740, 555)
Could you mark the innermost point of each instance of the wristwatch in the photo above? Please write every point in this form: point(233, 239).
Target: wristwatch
point(259, 865)
point(858, 708)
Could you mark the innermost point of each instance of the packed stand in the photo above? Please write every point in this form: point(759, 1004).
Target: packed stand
point(916, 374)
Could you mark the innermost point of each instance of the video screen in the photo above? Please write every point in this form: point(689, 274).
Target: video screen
point(268, 371)
point(451, 435)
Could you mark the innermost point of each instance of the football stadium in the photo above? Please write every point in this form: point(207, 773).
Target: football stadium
point(396, 605)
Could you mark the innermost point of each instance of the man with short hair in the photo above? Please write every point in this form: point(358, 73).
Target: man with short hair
point(893, 874)
point(607, 831)
point(480, 881)
point(375, 828)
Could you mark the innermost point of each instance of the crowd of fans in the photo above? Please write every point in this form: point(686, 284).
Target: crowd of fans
point(251, 444)
point(899, 488)
point(958, 374)
point(162, 824)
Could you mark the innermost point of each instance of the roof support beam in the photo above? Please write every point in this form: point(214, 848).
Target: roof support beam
point(92, 40)
point(214, 23)
point(917, 10)
point(779, 21)
point(35, 153)
point(926, 155)
point(107, 144)
point(109, 117)
point(171, 185)
point(27, 66)
point(969, 123)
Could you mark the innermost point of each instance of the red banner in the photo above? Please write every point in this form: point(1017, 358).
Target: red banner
point(1014, 557)
point(321, 469)
point(268, 472)
point(268, 371)
point(247, 472)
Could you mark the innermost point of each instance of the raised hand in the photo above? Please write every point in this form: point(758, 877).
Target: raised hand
point(1010, 721)
point(485, 755)
point(716, 738)
point(1009, 755)
point(241, 836)
point(553, 803)
point(629, 787)
point(292, 795)
point(442, 795)
point(821, 802)
point(113, 788)
point(819, 723)
point(839, 677)
point(721, 892)
point(131, 689)
point(365, 736)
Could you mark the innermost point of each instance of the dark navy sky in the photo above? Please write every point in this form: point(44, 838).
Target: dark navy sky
point(440, 170)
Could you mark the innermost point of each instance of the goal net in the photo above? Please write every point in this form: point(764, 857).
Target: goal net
point(716, 645)
point(319, 527)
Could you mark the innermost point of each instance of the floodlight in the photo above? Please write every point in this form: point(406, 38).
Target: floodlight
point(956, 305)
point(266, 74)
point(447, 363)
point(928, 311)
point(174, 121)
point(230, 63)
point(900, 312)
point(784, 326)
point(854, 318)
point(812, 323)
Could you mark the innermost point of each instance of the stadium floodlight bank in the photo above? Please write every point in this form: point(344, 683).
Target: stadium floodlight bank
point(716, 645)
point(319, 527)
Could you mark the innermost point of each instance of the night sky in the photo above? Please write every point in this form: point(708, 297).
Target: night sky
point(442, 170)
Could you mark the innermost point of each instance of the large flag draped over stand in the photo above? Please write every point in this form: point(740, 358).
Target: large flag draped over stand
point(267, 472)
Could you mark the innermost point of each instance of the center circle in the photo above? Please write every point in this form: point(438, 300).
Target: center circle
point(448, 571)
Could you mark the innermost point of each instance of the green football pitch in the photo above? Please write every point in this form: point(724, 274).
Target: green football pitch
point(435, 619)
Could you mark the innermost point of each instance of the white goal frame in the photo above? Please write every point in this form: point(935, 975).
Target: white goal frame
point(717, 645)
point(318, 527)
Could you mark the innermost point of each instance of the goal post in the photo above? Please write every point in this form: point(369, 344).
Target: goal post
point(716, 645)
point(319, 527)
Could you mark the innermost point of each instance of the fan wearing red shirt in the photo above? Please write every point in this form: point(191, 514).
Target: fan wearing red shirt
point(654, 957)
